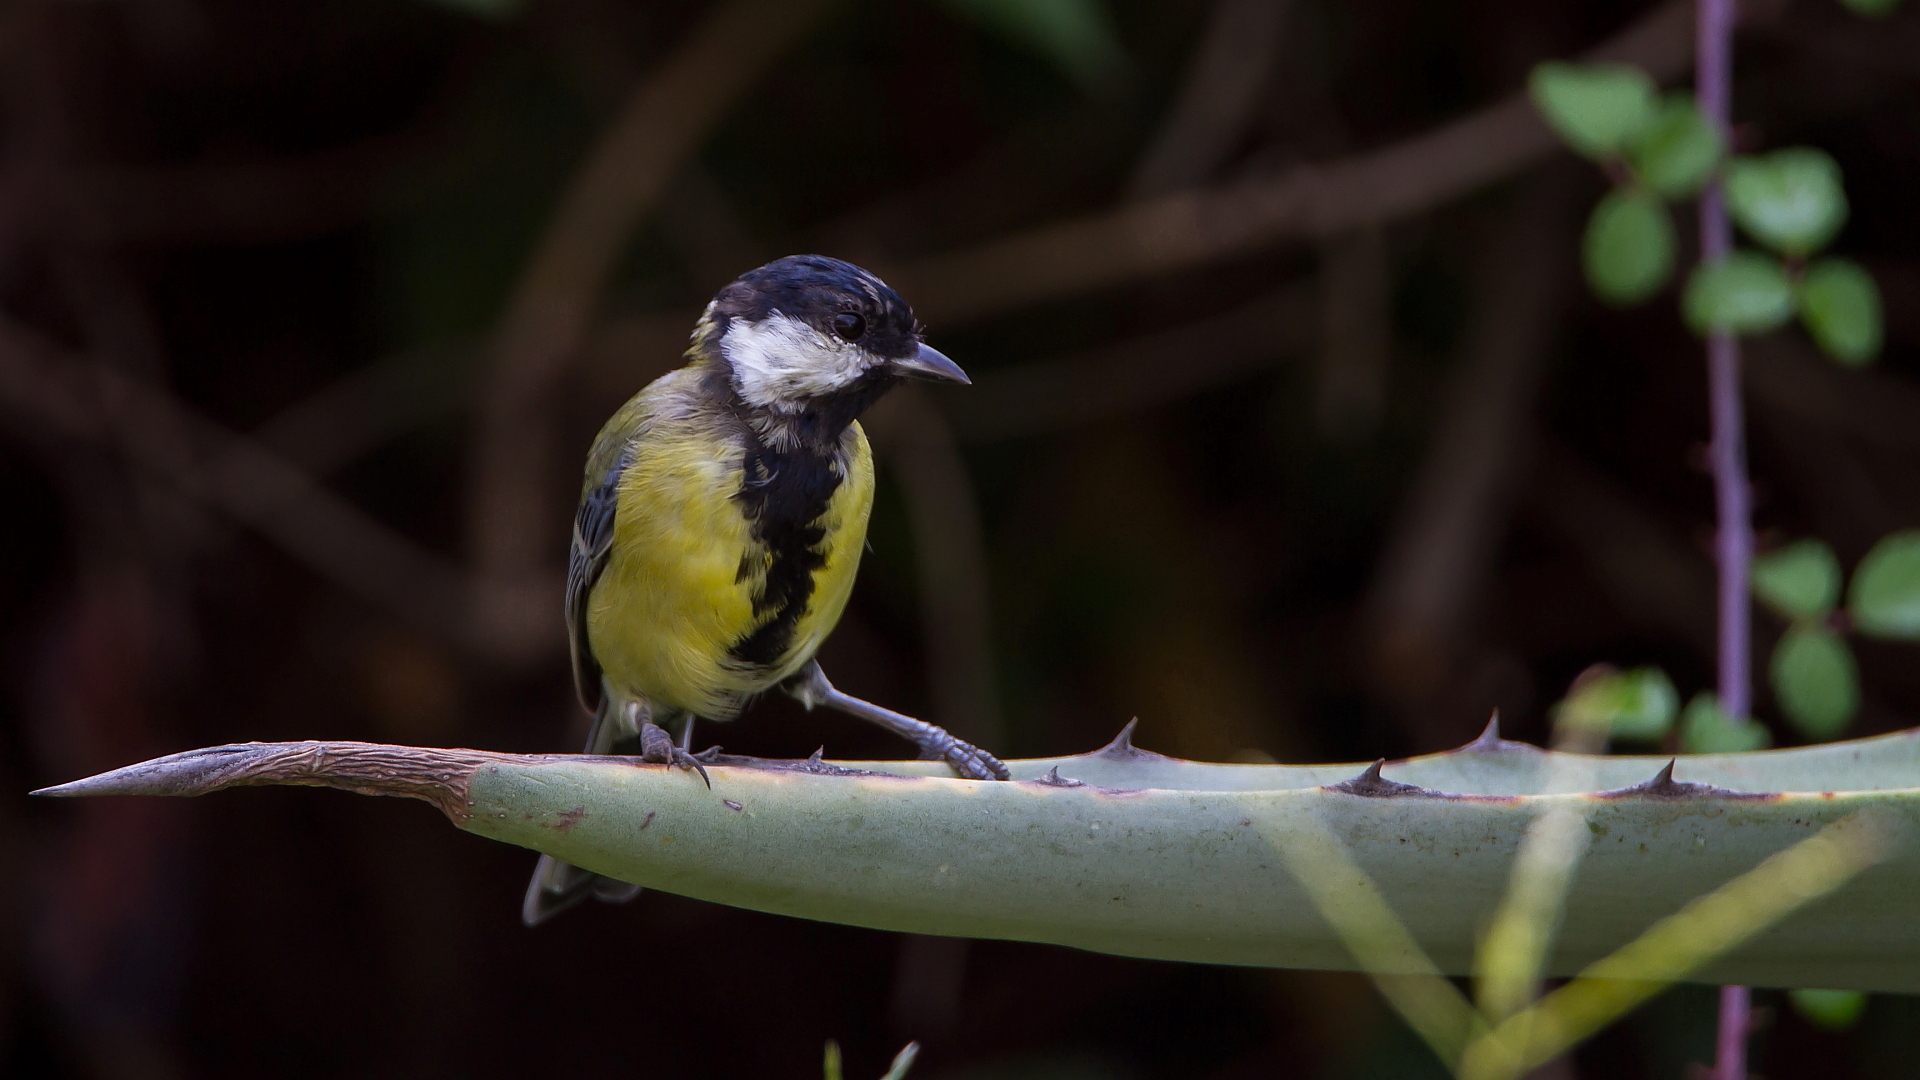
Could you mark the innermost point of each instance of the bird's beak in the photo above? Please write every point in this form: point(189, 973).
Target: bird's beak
point(931, 363)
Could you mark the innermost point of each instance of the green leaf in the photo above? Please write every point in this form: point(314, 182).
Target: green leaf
point(1840, 305)
point(1628, 247)
point(1873, 9)
point(1885, 598)
point(1597, 108)
point(831, 1070)
point(1815, 680)
point(1790, 200)
point(1076, 35)
point(1636, 704)
point(1800, 581)
point(1705, 728)
point(1678, 151)
point(1745, 293)
point(1829, 1010)
point(902, 1061)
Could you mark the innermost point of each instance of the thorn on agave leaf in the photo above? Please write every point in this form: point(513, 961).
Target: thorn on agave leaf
point(1122, 744)
point(1370, 784)
point(1664, 786)
point(1054, 779)
point(1490, 742)
point(1489, 737)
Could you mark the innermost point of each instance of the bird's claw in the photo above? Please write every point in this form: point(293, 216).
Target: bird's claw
point(968, 760)
point(658, 747)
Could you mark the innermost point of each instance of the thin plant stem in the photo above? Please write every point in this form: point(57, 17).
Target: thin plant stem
point(1713, 86)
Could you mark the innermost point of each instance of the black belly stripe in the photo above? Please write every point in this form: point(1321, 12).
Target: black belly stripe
point(784, 495)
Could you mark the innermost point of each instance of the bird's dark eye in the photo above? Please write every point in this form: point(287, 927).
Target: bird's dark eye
point(849, 326)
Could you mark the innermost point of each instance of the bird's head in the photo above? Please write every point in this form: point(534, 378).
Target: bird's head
point(809, 334)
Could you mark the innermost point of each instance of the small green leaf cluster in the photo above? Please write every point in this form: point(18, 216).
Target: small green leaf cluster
point(1659, 149)
point(1814, 676)
point(1638, 704)
point(1793, 202)
point(1708, 728)
point(1641, 705)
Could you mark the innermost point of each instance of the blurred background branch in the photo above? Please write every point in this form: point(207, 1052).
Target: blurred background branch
point(662, 124)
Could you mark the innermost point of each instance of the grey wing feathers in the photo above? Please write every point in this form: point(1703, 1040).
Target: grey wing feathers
point(592, 542)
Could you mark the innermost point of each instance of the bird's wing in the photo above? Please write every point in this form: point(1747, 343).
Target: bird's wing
point(613, 451)
point(592, 544)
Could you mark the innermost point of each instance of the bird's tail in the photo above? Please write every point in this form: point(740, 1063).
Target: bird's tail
point(557, 885)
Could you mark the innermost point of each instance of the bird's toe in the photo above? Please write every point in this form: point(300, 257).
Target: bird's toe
point(973, 763)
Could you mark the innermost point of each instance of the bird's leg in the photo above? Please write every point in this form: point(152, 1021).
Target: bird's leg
point(658, 746)
point(810, 687)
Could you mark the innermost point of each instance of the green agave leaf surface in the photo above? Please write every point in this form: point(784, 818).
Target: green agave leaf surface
point(1129, 852)
point(1190, 875)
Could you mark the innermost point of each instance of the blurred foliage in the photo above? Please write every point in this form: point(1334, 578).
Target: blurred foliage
point(1705, 728)
point(1745, 293)
point(1800, 580)
point(1885, 597)
point(1790, 200)
point(1629, 246)
point(1832, 1010)
point(1077, 35)
point(1840, 305)
point(1640, 704)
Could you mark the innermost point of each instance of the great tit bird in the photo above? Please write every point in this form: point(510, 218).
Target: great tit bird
point(721, 523)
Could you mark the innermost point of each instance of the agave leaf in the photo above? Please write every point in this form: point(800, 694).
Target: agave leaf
point(1125, 851)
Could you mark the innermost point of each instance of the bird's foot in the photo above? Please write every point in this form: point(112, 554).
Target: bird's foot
point(658, 747)
point(964, 758)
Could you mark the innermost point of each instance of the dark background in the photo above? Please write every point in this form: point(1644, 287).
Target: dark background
point(289, 434)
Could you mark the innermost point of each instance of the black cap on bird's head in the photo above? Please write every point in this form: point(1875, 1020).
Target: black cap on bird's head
point(808, 332)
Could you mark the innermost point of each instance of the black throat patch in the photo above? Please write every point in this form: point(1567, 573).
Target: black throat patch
point(784, 494)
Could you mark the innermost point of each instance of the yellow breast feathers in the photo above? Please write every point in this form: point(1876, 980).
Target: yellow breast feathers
point(729, 563)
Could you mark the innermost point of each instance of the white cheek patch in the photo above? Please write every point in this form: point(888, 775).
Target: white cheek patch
point(777, 362)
